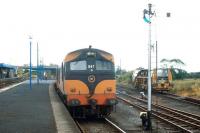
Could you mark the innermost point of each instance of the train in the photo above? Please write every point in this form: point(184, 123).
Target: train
point(161, 79)
point(86, 83)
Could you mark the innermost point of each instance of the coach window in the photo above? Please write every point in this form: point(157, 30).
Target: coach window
point(103, 65)
point(78, 65)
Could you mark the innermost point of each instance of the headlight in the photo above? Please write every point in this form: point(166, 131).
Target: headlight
point(91, 54)
point(74, 102)
point(111, 102)
point(92, 101)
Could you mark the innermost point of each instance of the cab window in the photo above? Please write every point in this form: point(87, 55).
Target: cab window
point(104, 65)
point(162, 73)
point(78, 65)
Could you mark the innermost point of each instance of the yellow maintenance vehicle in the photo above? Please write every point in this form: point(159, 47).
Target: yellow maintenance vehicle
point(161, 79)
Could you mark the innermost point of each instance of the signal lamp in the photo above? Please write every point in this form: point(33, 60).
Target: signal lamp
point(91, 54)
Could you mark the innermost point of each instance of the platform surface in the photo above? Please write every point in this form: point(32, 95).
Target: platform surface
point(36, 110)
point(25, 110)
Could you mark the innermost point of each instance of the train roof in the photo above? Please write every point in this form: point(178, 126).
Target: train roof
point(74, 54)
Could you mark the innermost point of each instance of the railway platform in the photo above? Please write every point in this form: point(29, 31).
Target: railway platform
point(36, 110)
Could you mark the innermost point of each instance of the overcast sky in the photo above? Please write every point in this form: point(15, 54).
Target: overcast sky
point(116, 26)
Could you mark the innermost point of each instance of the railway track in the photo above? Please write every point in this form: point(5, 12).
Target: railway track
point(189, 100)
point(8, 81)
point(180, 98)
point(103, 125)
point(180, 121)
point(94, 125)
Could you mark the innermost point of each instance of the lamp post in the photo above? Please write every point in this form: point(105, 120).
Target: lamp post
point(30, 78)
point(37, 64)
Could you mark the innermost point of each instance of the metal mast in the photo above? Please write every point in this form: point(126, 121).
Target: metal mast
point(148, 20)
point(37, 64)
point(149, 71)
point(30, 74)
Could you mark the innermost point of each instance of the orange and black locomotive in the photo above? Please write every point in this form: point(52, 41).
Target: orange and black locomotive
point(87, 83)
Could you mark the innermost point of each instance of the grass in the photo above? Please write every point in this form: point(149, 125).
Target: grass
point(125, 84)
point(125, 79)
point(188, 87)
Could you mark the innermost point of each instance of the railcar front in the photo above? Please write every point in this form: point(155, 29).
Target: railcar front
point(88, 82)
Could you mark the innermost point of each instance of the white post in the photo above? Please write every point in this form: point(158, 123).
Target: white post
point(149, 62)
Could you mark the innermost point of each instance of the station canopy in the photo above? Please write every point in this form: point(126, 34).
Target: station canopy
point(3, 65)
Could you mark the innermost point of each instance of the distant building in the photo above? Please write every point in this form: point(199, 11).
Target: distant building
point(7, 71)
point(43, 72)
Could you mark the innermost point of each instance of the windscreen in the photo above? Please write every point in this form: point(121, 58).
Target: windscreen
point(162, 73)
point(78, 65)
point(103, 65)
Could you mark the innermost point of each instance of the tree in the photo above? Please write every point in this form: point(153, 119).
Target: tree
point(119, 71)
point(175, 65)
point(51, 64)
point(165, 62)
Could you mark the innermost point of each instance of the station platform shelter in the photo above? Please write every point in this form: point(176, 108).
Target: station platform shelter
point(7, 71)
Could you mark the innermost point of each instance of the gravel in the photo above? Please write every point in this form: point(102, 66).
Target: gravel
point(128, 119)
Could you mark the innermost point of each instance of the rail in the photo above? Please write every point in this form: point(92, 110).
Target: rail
point(99, 125)
point(185, 99)
point(8, 81)
point(181, 120)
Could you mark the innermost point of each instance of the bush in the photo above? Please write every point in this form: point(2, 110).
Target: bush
point(125, 78)
point(187, 87)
